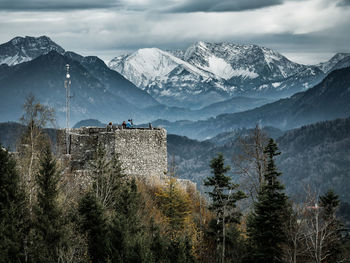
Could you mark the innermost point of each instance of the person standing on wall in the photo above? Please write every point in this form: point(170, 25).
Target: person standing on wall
point(128, 124)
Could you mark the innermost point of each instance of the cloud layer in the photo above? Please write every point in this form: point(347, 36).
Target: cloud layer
point(221, 6)
point(313, 29)
point(141, 5)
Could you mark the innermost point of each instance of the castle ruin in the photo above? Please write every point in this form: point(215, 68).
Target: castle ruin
point(142, 151)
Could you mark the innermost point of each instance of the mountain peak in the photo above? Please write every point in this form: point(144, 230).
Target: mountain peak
point(22, 49)
point(328, 66)
point(43, 40)
point(224, 69)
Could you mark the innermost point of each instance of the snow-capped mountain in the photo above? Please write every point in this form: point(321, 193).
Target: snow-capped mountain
point(101, 92)
point(344, 63)
point(23, 49)
point(231, 61)
point(209, 72)
point(166, 76)
point(330, 64)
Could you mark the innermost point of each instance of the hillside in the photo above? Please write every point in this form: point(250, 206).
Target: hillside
point(317, 155)
point(326, 101)
point(98, 92)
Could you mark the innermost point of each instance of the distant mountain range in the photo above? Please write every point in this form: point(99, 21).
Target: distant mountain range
point(209, 72)
point(326, 101)
point(37, 65)
point(315, 155)
point(102, 96)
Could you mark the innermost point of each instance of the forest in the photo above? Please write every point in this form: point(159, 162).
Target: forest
point(47, 215)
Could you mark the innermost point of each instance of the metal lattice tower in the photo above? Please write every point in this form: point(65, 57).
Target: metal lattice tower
point(67, 84)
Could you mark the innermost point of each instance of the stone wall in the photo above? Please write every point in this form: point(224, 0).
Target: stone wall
point(143, 152)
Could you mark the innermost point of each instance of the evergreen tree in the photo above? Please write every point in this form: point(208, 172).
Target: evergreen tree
point(158, 244)
point(93, 222)
point(224, 198)
point(180, 250)
point(107, 177)
point(265, 227)
point(13, 219)
point(329, 203)
point(48, 228)
point(129, 237)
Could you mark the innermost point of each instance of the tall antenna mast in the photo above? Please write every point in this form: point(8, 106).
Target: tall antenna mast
point(67, 83)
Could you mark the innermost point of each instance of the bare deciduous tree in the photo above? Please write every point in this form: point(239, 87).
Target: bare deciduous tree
point(311, 232)
point(251, 161)
point(36, 116)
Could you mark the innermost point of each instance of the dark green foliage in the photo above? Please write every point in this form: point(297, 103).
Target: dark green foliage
point(266, 229)
point(110, 214)
point(223, 203)
point(222, 196)
point(48, 227)
point(13, 216)
point(94, 224)
point(180, 251)
point(107, 177)
point(330, 203)
point(236, 245)
point(158, 244)
point(128, 233)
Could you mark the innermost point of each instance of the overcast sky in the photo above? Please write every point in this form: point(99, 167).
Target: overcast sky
point(306, 31)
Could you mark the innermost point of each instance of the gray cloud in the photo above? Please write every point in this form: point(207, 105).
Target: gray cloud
point(222, 5)
point(307, 29)
point(344, 3)
point(170, 6)
point(45, 5)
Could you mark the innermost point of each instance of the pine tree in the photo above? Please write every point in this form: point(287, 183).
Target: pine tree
point(329, 203)
point(265, 227)
point(107, 177)
point(224, 198)
point(13, 218)
point(48, 228)
point(93, 222)
point(158, 244)
point(128, 233)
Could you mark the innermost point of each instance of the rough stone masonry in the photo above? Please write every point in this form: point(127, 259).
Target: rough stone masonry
point(142, 152)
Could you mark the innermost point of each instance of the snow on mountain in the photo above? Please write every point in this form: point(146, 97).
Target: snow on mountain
point(242, 62)
point(344, 63)
point(328, 66)
point(214, 71)
point(150, 64)
point(168, 78)
point(23, 49)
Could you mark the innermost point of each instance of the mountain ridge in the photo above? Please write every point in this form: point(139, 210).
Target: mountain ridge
point(226, 69)
point(23, 49)
point(327, 100)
